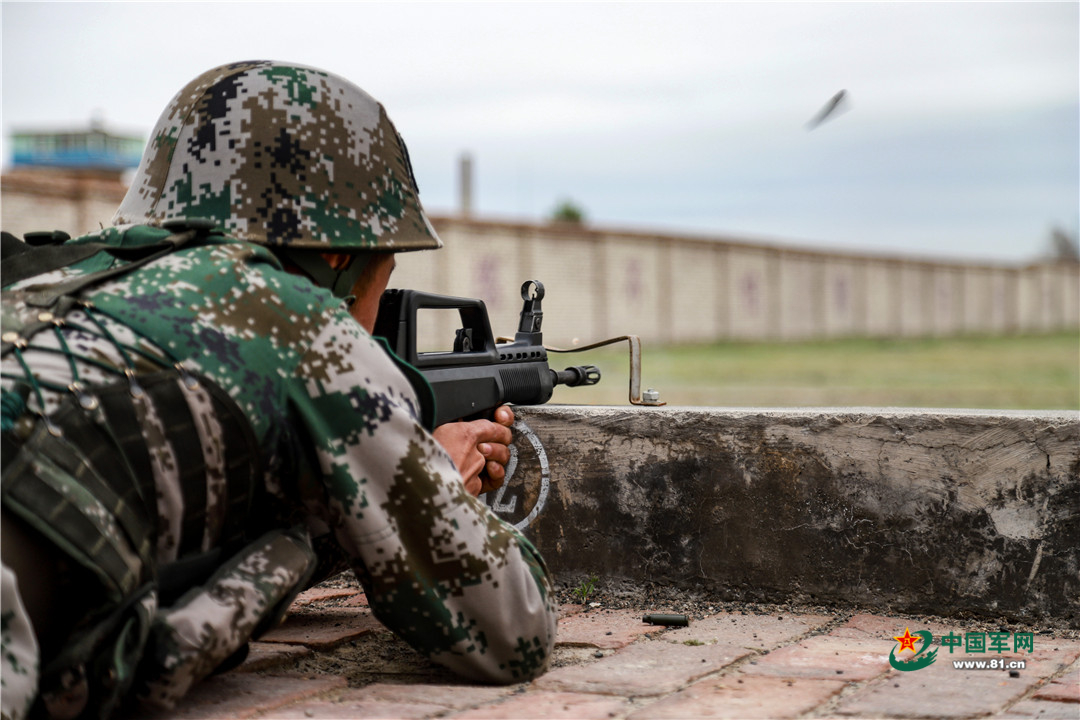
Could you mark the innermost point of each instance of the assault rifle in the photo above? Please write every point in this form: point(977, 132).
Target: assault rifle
point(478, 375)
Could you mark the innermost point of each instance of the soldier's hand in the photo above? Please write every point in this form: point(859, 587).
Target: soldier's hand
point(494, 474)
point(480, 449)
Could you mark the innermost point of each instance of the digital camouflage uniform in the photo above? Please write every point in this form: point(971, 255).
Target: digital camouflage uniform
point(203, 434)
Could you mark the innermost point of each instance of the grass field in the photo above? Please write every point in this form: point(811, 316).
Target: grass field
point(1027, 372)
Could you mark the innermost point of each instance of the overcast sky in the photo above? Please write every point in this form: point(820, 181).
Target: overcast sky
point(960, 136)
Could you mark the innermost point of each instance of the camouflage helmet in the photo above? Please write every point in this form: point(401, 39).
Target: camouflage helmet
point(285, 156)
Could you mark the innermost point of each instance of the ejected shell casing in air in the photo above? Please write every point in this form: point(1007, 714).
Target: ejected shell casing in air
point(664, 619)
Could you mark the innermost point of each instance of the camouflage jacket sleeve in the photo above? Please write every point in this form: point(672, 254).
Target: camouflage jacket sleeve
point(439, 569)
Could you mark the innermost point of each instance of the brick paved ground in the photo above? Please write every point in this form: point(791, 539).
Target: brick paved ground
point(331, 659)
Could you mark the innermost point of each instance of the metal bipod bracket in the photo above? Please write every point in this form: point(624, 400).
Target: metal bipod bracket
point(650, 397)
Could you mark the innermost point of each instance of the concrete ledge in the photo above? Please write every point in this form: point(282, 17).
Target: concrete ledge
point(940, 511)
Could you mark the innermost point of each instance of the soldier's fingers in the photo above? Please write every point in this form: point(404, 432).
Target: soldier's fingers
point(495, 452)
point(494, 477)
point(488, 431)
point(504, 415)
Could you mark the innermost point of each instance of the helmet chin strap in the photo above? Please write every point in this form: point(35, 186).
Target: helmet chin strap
point(340, 282)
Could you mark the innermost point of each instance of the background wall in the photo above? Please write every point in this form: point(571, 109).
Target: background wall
point(673, 288)
point(40, 199)
point(665, 288)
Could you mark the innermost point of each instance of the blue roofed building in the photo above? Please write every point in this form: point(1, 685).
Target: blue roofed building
point(94, 149)
point(66, 179)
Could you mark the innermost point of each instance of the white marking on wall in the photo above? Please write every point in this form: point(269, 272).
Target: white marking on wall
point(501, 504)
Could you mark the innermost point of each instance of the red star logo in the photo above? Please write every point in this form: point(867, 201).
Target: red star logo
point(907, 640)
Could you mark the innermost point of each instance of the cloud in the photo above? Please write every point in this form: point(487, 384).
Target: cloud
point(681, 115)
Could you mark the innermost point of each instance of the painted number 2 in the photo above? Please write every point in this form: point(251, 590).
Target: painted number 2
point(505, 501)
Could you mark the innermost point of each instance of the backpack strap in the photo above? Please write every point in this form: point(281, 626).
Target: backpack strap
point(30, 261)
point(64, 255)
point(10, 246)
point(48, 251)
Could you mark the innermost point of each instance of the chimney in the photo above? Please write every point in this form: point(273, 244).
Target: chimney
point(465, 184)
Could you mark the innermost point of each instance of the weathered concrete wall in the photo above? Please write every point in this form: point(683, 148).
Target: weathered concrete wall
point(948, 512)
